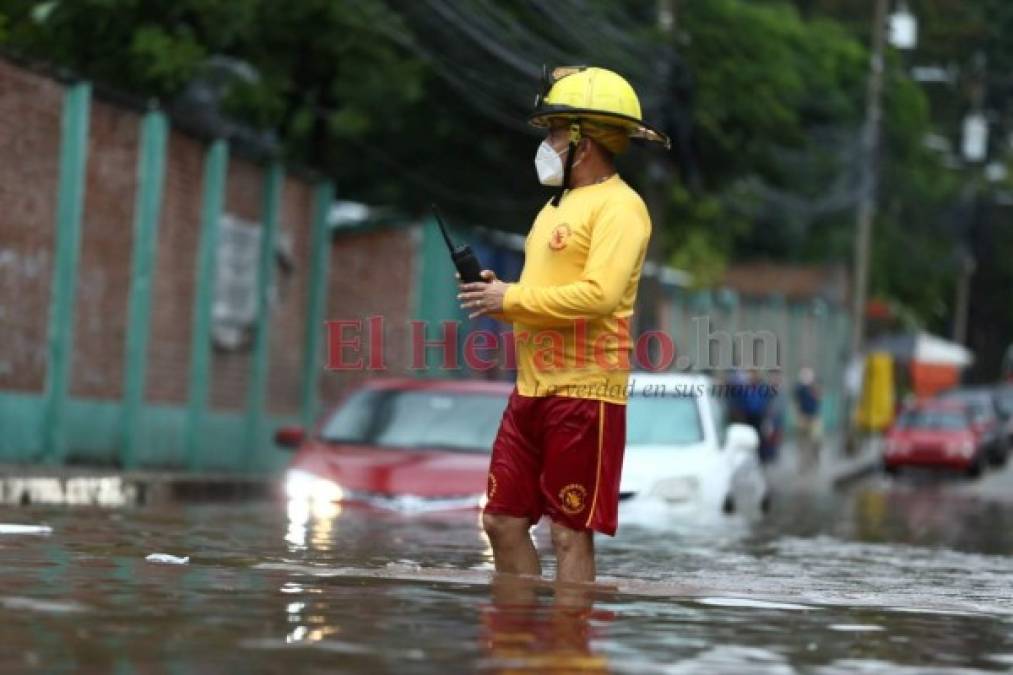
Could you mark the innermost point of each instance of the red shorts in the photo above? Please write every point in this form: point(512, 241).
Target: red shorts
point(561, 456)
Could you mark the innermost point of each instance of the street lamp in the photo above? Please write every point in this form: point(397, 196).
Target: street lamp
point(903, 28)
point(974, 144)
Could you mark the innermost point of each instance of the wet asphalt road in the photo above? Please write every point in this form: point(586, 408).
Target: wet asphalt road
point(910, 576)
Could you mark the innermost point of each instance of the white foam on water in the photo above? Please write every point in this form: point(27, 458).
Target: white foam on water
point(166, 559)
point(941, 611)
point(44, 606)
point(751, 603)
point(331, 645)
point(397, 571)
point(855, 628)
point(17, 528)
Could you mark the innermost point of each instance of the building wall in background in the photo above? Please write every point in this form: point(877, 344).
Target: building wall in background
point(107, 231)
point(31, 108)
point(370, 274)
point(175, 271)
point(290, 299)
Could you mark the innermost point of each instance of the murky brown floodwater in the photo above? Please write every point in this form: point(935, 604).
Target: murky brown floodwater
point(902, 579)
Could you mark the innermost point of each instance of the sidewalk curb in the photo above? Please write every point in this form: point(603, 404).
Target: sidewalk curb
point(858, 470)
point(90, 487)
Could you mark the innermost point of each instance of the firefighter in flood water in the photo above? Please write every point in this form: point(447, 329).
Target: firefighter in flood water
point(559, 450)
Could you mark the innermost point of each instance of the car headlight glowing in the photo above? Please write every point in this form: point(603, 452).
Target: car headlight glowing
point(306, 486)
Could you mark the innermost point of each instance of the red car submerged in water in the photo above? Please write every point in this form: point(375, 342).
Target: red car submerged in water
point(400, 444)
point(937, 433)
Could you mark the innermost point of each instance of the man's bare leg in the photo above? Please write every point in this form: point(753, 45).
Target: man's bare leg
point(512, 548)
point(574, 554)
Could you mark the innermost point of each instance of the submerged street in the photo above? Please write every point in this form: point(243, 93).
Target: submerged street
point(910, 575)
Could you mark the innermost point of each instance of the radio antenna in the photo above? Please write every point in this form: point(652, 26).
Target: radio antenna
point(443, 228)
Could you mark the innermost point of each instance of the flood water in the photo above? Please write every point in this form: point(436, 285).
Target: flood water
point(881, 578)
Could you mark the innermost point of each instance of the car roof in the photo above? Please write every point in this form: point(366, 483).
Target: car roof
point(441, 385)
point(967, 393)
point(940, 404)
point(682, 379)
point(640, 380)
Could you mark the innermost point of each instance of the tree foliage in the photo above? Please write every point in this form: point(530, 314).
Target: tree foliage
point(405, 103)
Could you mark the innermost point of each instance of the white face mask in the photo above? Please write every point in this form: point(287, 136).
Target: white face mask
point(549, 164)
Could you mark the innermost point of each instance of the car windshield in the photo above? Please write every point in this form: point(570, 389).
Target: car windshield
point(397, 418)
point(1004, 401)
point(932, 419)
point(979, 403)
point(663, 420)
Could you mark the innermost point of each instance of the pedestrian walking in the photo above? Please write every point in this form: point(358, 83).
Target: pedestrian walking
point(807, 419)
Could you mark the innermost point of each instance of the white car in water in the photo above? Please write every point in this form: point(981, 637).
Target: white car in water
point(679, 449)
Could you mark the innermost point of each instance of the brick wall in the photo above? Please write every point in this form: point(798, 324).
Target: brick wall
point(175, 270)
point(103, 280)
point(30, 109)
point(290, 301)
point(371, 274)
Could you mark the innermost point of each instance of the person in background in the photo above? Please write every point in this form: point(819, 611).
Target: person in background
point(807, 415)
point(774, 419)
point(755, 403)
point(735, 384)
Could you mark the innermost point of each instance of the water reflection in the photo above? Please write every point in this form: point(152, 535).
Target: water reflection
point(929, 514)
point(522, 632)
point(309, 627)
point(303, 515)
point(298, 518)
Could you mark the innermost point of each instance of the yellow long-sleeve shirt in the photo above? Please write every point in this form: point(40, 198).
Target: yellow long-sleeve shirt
point(571, 308)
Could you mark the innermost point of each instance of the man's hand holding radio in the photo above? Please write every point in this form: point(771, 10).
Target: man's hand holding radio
point(482, 298)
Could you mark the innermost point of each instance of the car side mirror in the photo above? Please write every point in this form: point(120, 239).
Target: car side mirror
point(742, 437)
point(289, 437)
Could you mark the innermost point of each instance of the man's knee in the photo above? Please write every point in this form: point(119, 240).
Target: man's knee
point(500, 527)
point(565, 539)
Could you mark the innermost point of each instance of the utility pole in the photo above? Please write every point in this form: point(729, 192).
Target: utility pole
point(962, 305)
point(868, 179)
point(866, 201)
point(657, 185)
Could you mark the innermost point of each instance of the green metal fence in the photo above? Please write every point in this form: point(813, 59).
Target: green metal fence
point(54, 427)
point(812, 333)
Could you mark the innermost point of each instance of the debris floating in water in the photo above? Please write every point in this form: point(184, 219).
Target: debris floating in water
point(38, 605)
point(168, 559)
point(17, 528)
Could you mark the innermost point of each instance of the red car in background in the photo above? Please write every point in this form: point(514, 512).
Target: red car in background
point(935, 433)
point(400, 444)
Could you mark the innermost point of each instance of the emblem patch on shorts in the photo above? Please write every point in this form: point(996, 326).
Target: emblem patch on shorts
point(572, 498)
point(560, 233)
point(491, 488)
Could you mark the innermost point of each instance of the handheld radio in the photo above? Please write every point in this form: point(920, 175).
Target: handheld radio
point(464, 258)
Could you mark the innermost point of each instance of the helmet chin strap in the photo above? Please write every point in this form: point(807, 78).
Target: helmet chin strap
point(568, 167)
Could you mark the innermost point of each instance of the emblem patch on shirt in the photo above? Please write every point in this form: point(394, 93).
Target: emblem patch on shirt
point(491, 489)
point(572, 498)
point(560, 233)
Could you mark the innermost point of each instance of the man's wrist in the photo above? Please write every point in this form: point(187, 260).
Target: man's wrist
point(509, 298)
